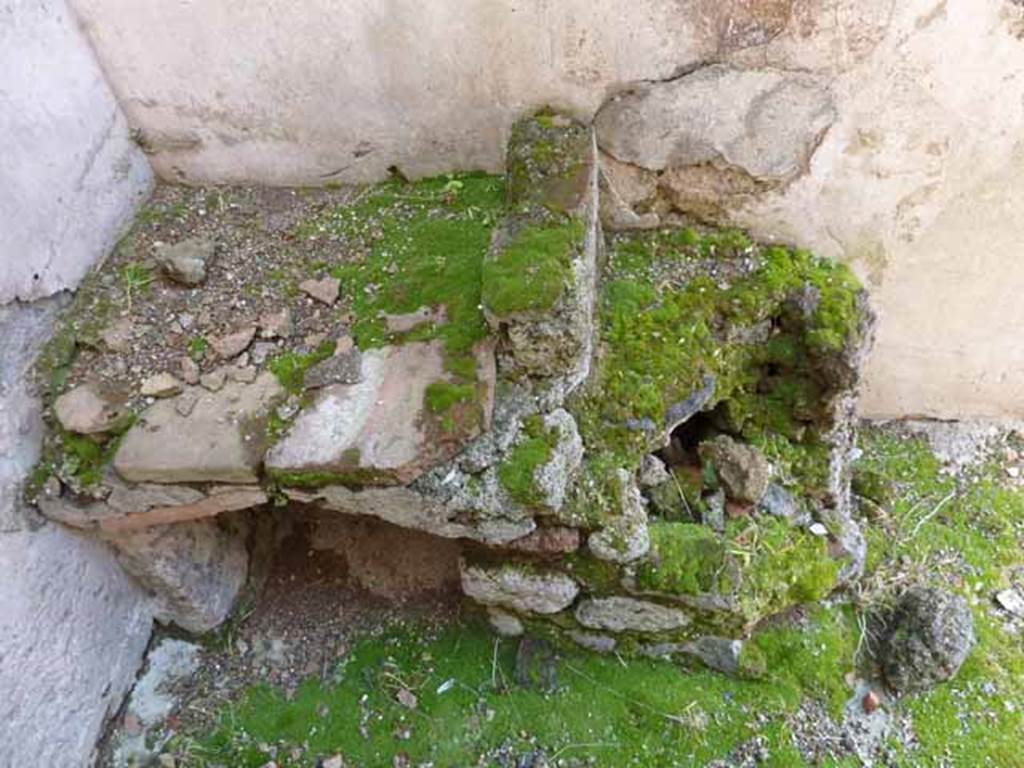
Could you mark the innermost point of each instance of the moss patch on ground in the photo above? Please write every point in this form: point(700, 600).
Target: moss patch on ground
point(414, 245)
point(963, 532)
point(611, 711)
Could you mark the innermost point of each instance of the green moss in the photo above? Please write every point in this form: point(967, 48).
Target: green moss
point(530, 273)
point(547, 162)
point(350, 478)
point(80, 460)
point(666, 325)
point(687, 559)
point(781, 565)
point(441, 396)
point(197, 347)
point(605, 711)
point(290, 367)
point(414, 245)
point(517, 472)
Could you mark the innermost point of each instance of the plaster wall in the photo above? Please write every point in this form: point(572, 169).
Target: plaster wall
point(70, 176)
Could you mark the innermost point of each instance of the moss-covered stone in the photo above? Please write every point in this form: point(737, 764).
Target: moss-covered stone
point(548, 162)
point(517, 473)
point(685, 559)
point(531, 270)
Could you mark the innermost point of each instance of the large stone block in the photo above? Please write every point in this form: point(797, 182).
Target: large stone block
point(194, 570)
point(383, 430)
point(222, 439)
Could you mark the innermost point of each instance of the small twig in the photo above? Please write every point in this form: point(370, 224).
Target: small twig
point(583, 745)
point(494, 665)
point(929, 516)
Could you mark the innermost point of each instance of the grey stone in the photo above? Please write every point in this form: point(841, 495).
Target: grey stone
point(186, 262)
point(261, 350)
point(714, 511)
point(160, 385)
point(221, 440)
point(626, 614)
point(118, 336)
point(407, 508)
point(504, 623)
point(593, 642)
point(380, 428)
point(276, 325)
point(189, 370)
point(87, 410)
point(195, 569)
point(128, 499)
point(721, 654)
point(1012, 601)
point(555, 476)
point(243, 374)
point(341, 368)
point(929, 635)
point(652, 472)
point(625, 538)
point(235, 343)
point(556, 342)
point(778, 502)
point(152, 700)
point(214, 381)
point(185, 403)
point(324, 290)
point(519, 588)
point(762, 122)
point(742, 469)
point(406, 322)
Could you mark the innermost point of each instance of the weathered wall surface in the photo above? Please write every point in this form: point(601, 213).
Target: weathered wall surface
point(73, 625)
point(913, 180)
point(70, 176)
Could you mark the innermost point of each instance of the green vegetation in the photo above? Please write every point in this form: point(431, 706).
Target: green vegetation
point(290, 367)
point(686, 559)
point(415, 245)
point(517, 472)
point(441, 396)
point(530, 273)
point(966, 533)
point(962, 532)
point(765, 328)
point(782, 565)
point(135, 280)
point(615, 711)
point(197, 347)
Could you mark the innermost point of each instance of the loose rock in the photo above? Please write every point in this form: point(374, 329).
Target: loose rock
point(324, 290)
point(233, 344)
point(189, 371)
point(742, 469)
point(186, 262)
point(626, 614)
point(276, 325)
point(160, 385)
point(929, 634)
point(519, 588)
point(86, 410)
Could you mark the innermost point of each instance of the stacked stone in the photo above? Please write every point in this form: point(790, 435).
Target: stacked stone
point(511, 481)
